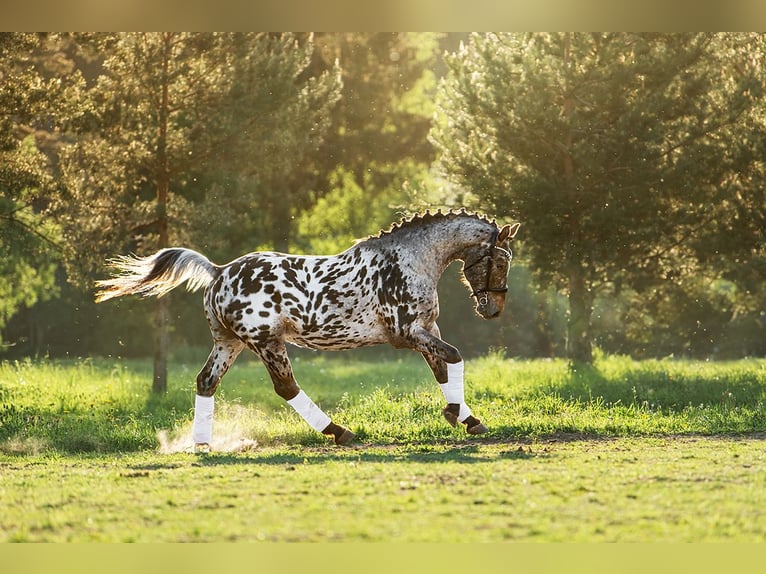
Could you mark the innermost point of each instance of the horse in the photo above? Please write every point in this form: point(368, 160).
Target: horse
point(381, 290)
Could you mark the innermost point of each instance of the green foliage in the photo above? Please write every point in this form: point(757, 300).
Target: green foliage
point(26, 244)
point(333, 224)
point(610, 148)
point(169, 109)
point(166, 108)
point(278, 116)
point(27, 240)
point(350, 211)
point(308, 142)
point(378, 155)
point(384, 113)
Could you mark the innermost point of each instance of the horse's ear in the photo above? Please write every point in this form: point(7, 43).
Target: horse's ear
point(508, 232)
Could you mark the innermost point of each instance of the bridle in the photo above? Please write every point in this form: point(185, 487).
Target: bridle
point(481, 294)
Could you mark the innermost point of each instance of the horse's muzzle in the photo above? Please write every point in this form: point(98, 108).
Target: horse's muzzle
point(489, 306)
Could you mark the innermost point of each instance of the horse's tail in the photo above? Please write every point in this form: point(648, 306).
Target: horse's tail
point(156, 274)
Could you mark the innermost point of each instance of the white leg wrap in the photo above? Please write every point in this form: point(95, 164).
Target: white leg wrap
point(203, 420)
point(453, 389)
point(312, 414)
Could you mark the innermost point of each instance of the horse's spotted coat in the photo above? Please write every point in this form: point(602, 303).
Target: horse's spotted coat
point(381, 290)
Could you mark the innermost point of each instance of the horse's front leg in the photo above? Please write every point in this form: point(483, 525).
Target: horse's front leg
point(274, 357)
point(450, 376)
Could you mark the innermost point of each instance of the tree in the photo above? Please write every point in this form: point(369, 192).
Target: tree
point(167, 108)
point(284, 105)
point(386, 109)
point(733, 247)
point(376, 156)
point(379, 164)
point(610, 148)
point(27, 240)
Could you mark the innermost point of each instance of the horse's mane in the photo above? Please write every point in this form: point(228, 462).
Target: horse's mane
point(427, 217)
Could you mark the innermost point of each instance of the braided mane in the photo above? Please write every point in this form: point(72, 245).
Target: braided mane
point(427, 216)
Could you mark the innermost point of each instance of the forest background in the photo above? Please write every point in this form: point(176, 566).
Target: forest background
point(635, 163)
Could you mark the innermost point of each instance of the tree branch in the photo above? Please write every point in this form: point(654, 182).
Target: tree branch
point(30, 229)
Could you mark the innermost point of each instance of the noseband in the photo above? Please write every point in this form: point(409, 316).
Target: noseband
point(481, 294)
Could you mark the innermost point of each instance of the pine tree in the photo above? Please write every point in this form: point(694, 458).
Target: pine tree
point(168, 108)
point(27, 239)
point(610, 148)
point(377, 155)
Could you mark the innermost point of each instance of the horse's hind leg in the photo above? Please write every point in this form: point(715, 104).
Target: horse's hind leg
point(226, 348)
point(274, 357)
point(450, 379)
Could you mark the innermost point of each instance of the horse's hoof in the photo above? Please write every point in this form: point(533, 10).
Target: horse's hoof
point(201, 448)
point(477, 429)
point(345, 438)
point(340, 435)
point(450, 415)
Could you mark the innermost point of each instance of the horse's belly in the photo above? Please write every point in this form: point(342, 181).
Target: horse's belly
point(331, 336)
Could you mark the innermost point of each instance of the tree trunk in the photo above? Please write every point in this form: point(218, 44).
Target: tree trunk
point(579, 346)
point(579, 349)
point(162, 317)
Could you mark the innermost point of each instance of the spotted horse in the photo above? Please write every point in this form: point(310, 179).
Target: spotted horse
point(381, 290)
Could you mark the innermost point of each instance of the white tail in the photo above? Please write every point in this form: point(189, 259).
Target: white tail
point(156, 274)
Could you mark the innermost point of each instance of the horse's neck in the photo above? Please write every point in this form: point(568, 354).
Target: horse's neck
point(432, 247)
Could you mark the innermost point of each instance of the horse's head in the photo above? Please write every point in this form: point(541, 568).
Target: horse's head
point(485, 269)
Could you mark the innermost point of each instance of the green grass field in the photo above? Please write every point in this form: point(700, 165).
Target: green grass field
point(622, 451)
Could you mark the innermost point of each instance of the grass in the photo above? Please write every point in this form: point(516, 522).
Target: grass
point(106, 406)
point(630, 490)
point(621, 451)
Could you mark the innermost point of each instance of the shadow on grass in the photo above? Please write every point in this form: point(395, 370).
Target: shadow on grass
point(660, 385)
point(461, 453)
point(418, 453)
point(80, 427)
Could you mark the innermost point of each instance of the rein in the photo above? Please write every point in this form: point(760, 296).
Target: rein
point(481, 294)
